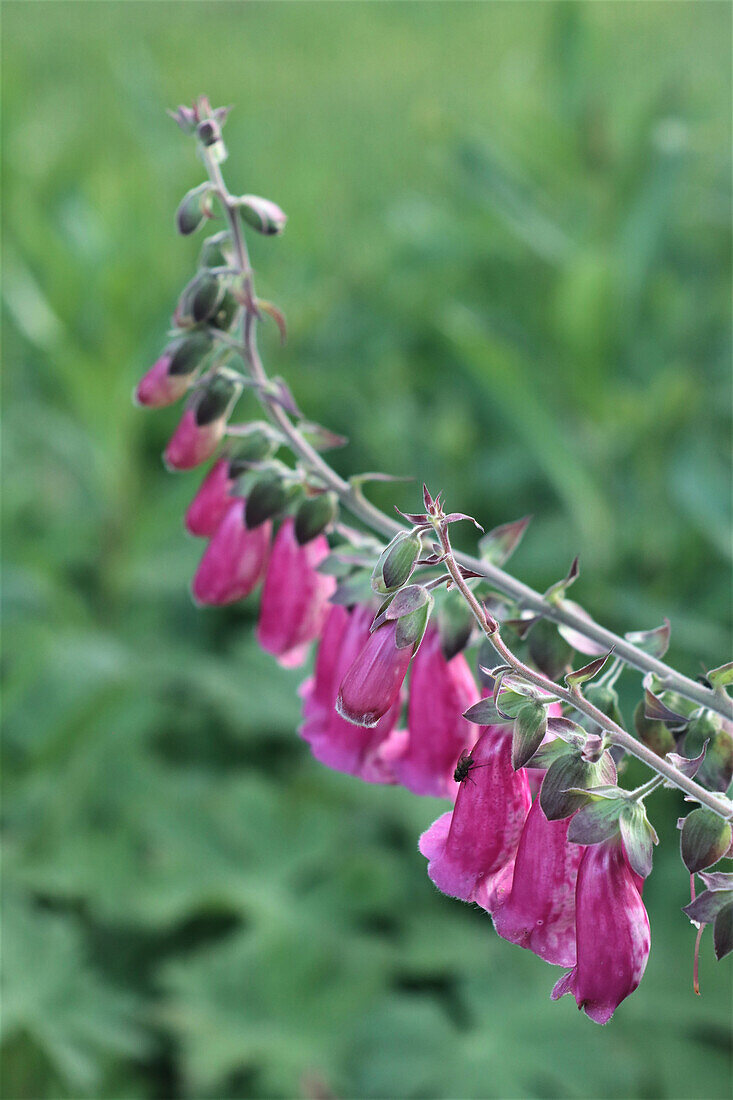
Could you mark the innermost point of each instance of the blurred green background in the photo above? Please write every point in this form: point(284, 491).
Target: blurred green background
point(506, 271)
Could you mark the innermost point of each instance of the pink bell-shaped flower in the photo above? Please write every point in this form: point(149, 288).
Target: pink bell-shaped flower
point(193, 443)
point(472, 844)
point(539, 912)
point(440, 691)
point(372, 684)
point(208, 507)
point(612, 932)
point(234, 559)
point(295, 596)
point(158, 387)
point(356, 750)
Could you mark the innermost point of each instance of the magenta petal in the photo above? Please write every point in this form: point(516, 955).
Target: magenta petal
point(295, 596)
point(157, 388)
point(191, 443)
point(356, 750)
point(208, 507)
point(539, 913)
point(485, 823)
point(440, 691)
point(233, 561)
point(612, 933)
point(373, 682)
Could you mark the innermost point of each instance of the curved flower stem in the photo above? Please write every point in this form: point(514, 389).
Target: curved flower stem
point(616, 734)
point(353, 499)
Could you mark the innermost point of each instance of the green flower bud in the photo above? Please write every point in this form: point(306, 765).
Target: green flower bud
point(188, 351)
point(264, 216)
point(205, 297)
point(267, 498)
point(193, 209)
point(705, 839)
point(255, 443)
point(530, 727)
point(215, 399)
point(314, 515)
point(396, 563)
point(653, 733)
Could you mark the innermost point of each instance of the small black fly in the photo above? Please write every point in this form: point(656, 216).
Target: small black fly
point(465, 766)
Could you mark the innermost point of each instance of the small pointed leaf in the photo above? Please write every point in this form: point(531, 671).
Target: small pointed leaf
point(499, 544)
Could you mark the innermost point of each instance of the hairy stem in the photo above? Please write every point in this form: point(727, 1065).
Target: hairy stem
point(353, 499)
point(616, 734)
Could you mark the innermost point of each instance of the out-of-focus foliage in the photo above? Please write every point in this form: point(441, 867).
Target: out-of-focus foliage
point(506, 271)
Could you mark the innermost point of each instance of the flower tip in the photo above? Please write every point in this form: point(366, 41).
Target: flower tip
point(366, 720)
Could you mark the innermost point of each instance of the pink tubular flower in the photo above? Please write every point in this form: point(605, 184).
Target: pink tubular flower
point(612, 932)
point(193, 443)
point(234, 560)
point(440, 691)
point(470, 847)
point(356, 750)
point(295, 596)
point(208, 507)
point(159, 387)
point(372, 683)
point(539, 912)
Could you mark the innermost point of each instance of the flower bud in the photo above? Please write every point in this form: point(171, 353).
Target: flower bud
point(372, 683)
point(202, 426)
point(611, 932)
point(233, 561)
point(216, 399)
point(471, 845)
point(716, 770)
point(256, 442)
point(267, 498)
point(192, 444)
point(172, 374)
point(539, 911)
point(295, 596)
point(362, 751)
point(193, 209)
point(396, 562)
point(262, 214)
point(530, 726)
point(158, 387)
point(226, 312)
point(652, 732)
point(208, 132)
point(208, 507)
point(204, 297)
point(314, 515)
point(440, 691)
point(217, 251)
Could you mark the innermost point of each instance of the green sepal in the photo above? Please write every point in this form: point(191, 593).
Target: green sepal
point(314, 515)
point(548, 649)
point(192, 209)
point(215, 399)
point(204, 296)
point(564, 788)
point(652, 732)
point(723, 932)
point(188, 351)
point(597, 820)
point(639, 837)
point(530, 727)
point(716, 770)
point(255, 443)
point(499, 544)
point(705, 839)
point(268, 497)
point(722, 676)
point(396, 562)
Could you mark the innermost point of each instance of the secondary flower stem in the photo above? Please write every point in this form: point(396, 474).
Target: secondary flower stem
point(353, 499)
point(719, 804)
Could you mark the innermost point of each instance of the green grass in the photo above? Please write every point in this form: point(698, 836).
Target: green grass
point(506, 271)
